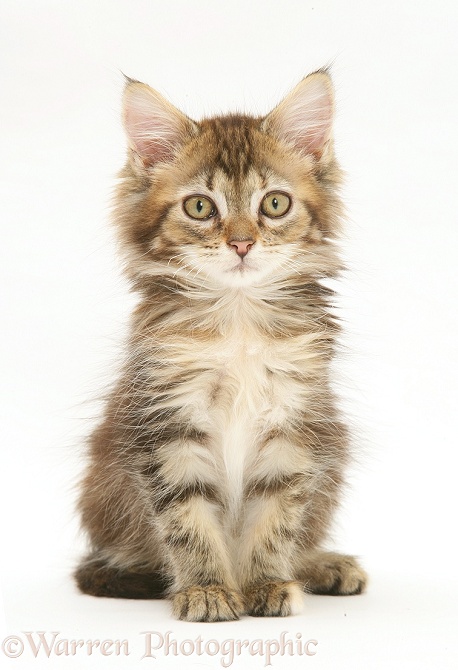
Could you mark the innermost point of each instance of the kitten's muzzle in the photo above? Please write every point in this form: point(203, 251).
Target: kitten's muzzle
point(241, 247)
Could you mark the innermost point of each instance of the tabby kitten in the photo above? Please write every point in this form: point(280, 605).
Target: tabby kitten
point(218, 464)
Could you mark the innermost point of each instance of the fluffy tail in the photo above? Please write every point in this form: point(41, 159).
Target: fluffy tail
point(97, 578)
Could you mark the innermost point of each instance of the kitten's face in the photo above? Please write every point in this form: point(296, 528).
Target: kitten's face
point(229, 202)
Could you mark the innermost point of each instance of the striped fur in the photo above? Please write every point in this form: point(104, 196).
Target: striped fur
point(218, 464)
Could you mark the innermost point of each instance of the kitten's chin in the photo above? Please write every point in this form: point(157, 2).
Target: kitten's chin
point(243, 274)
point(244, 267)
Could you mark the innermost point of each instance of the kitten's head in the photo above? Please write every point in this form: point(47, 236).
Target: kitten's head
point(230, 201)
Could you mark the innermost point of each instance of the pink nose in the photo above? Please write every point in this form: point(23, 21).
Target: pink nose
point(242, 247)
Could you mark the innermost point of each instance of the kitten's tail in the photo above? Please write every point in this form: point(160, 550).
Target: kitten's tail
point(97, 578)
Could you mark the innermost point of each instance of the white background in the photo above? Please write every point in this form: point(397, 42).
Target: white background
point(65, 305)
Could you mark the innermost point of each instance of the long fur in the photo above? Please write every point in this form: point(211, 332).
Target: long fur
point(220, 459)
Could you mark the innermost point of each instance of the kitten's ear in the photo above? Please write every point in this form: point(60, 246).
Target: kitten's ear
point(304, 118)
point(154, 127)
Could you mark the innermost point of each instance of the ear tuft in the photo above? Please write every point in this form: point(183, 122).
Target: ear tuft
point(154, 127)
point(304, 118)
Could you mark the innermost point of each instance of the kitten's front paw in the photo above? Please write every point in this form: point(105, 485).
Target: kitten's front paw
point(274, 599)
point(207, 603)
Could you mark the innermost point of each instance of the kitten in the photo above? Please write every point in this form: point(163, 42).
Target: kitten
point(219, 462)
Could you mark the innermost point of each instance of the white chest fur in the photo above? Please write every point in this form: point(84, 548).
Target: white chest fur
point(246, 404)
point(238, 386)
point(247, 386)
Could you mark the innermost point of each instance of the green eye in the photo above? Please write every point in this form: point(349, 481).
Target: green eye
point(275, 204)
point(199, 207)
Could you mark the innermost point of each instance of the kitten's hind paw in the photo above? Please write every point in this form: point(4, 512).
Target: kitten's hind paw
point(207, 603)
point(328, 573)
point(274, 599)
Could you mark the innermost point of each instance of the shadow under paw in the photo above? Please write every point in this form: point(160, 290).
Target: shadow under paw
point(274, 599)
point(207, 603)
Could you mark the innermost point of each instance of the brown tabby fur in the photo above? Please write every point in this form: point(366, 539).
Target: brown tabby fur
point(219, 462)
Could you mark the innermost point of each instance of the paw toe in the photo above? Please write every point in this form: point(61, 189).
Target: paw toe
point(337, 575)
point(212, 603)
point(274, 599)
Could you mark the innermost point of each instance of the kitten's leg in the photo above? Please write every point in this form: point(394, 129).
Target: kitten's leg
point(267, 550)
point(188, 511)
point(275, 498)
point(329, 573)
point(290, 498)
point(150, 509)
point(204, 588)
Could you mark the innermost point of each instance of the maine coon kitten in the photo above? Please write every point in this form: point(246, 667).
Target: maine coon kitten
point(218, 464)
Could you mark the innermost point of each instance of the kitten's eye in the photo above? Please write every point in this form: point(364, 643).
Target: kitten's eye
point(275, 204)
point(199, 207)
